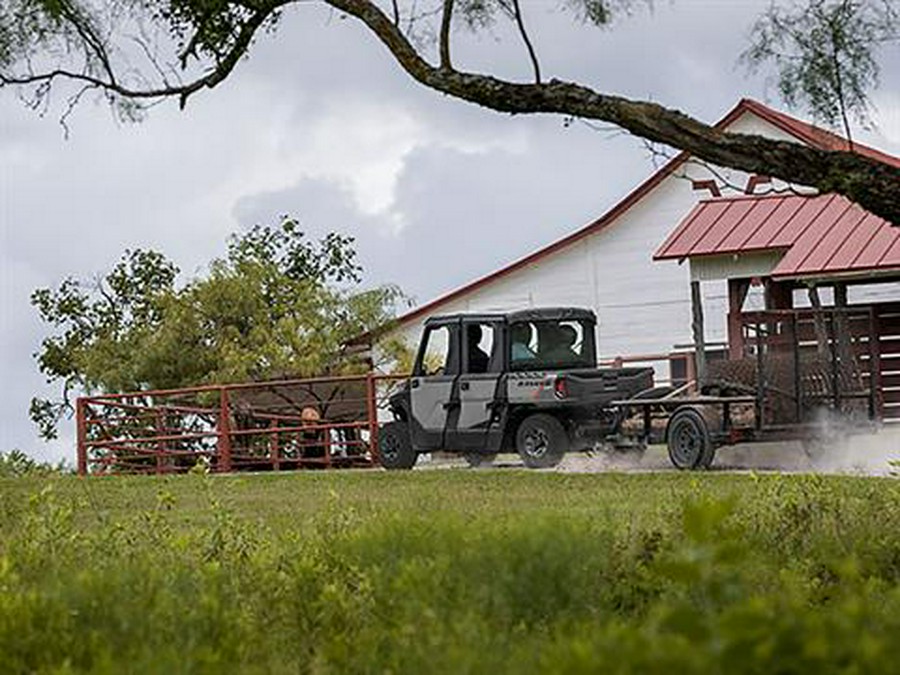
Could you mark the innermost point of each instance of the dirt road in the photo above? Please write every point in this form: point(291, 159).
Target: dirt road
point(865, 455)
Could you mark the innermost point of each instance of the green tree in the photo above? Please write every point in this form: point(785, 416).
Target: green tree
point(90, 45)
point(824, 56)
point(275, 305)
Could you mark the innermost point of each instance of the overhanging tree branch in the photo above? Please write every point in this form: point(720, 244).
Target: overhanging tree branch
point(873, 184)
point(224, 39)
point(108, 81)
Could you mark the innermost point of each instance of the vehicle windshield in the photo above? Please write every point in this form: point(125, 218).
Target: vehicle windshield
point(552, 343)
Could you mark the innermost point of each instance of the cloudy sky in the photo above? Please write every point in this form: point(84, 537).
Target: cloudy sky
point(320, 124)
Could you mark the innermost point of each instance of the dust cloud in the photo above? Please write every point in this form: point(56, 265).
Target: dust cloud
point(870, 454)
point(832, 450)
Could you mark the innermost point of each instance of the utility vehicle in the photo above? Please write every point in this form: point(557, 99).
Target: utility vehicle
point(524, 381)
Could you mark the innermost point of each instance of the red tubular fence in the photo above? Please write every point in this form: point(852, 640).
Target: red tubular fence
point(315, 423)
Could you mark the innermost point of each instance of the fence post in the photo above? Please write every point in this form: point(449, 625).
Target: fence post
point(160, 445)
point(274, 453)
point(81, 433)
point(372, 412)
point(223, 443)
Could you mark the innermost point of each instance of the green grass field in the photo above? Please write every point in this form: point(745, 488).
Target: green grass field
point(450, 571)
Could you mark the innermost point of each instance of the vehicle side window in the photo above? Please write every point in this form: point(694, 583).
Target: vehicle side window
point(438, 356)
point(564, 343)
point(522, 344)
point(571, 336)
point(479, 347)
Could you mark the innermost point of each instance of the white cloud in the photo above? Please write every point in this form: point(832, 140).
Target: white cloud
point(887, 120)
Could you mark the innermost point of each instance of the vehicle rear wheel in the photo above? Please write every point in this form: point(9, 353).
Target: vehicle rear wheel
point(395, 450)
point(688, 440)
point(541, 441)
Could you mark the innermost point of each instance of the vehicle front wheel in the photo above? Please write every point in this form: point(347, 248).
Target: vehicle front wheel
point(395, 450)
point(688, 440)
point(541, 441)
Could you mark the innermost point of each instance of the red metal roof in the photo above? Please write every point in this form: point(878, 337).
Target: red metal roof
point(806, 133)
point(820, 235)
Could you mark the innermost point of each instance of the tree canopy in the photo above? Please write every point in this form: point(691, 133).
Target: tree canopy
point(275, 305)
point(826, 55)
point(140, 51)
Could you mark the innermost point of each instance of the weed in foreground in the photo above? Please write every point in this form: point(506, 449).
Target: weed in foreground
point(766, 574)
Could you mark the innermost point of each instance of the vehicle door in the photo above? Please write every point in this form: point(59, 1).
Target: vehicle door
point(432, 384)
point(472, 424)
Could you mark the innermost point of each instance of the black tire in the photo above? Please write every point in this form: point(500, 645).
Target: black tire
point(541, 441)
point(395, 450)
point(476, 459)
point(688, 440)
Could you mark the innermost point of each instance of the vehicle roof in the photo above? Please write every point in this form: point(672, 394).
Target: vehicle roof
point(538, 313)
point(533, 314)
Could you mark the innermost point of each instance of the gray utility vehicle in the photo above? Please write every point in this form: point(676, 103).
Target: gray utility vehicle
point(526, 381)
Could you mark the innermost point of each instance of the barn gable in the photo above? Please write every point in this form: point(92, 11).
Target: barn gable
point(607, 265)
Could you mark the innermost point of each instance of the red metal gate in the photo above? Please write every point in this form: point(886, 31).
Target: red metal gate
point(260, 426)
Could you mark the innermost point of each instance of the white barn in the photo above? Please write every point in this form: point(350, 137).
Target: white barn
point(643, 307)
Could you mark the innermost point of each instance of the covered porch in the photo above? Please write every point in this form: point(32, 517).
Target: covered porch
point(826, 262)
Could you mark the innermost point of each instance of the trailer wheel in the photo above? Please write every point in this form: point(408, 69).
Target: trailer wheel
point(395, 450)
point(541, 441)
point(688, 440)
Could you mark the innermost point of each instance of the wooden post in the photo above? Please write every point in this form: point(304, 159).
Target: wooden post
point(223, 444)
point(737, 293)
point(842, 324)
point(81, 431)
point(779, 295)
point(697, 329)
point(372, 414)
point(819, 320)
point(274, 454)
point(840, 295)
point(160, 424)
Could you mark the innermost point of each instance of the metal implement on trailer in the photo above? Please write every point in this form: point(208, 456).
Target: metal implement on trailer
point(802, 374)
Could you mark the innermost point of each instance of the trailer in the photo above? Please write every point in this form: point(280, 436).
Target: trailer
point(804, 374)
point(826, 369)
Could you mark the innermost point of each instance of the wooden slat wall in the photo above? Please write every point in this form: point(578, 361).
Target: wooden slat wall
point(887, 329)
point(888, 335)
point(888, 326)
